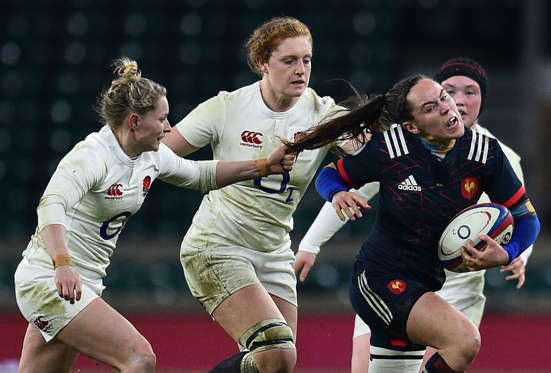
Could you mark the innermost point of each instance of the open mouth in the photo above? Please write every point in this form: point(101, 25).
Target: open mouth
point(453, 121)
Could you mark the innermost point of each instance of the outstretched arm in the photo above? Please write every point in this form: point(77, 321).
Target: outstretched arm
point(326, 224)
point(210, 175)
point(228, 172)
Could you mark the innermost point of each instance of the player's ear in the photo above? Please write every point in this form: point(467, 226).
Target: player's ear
point(411, 127)
point(133, 121)
point(262, 66)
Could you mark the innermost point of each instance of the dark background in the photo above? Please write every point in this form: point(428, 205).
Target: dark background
point(55, 59)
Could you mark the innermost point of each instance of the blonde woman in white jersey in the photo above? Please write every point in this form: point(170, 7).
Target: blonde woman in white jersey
point(465, 80)
point(237, 255)
point(95, 189)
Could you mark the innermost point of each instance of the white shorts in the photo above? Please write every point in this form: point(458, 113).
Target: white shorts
point(38, 300)
point(360, 327)
point(465, 291)
point(216, 273)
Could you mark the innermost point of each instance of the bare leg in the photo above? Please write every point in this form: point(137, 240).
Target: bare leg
point(434, 322)
point(37, 355)
point(360, 353)
point(289, 312)
point(99, 332)
point(247, 307)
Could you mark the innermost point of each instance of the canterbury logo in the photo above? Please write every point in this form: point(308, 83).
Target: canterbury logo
point(41, 324)
point(479, 148)
point(114, 190)
point(395, 142)
point(250, 137)
point(409, 184)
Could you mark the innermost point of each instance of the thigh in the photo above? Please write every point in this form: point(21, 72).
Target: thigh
point(245, 308)
point(102, 333)
point(434, 322)
point(214, 275)
point(384, 303)
point(39, 356)
point(360, 353)
point(289, 312)
point(39, 302)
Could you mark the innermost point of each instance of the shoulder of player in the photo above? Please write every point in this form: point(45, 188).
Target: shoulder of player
point(323, 103)
point(89, 155)
point(394, 141)
point(245, 92)
point(509, 153)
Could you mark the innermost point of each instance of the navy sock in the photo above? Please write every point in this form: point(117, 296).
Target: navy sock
point(437, 365)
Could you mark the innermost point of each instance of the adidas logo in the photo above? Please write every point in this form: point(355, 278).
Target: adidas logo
point(409, 184)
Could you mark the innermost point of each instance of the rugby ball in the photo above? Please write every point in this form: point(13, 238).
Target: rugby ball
point(492, 219)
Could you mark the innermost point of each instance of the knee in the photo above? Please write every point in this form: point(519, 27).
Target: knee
point(276, 360)
point(469, 345)
point(143, 359)
point(272, 344)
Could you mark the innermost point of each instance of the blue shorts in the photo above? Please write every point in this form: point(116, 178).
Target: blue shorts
point(384, 302)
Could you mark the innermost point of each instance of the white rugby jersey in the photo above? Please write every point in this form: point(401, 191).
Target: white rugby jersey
point(96, 188)
point(256, 214)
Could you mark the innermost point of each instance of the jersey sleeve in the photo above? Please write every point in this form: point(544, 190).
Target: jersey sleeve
point(77, 173)
point(357, 170)
point(204, 124)
point(327, 223)
point(503, 185)
point(185, 173)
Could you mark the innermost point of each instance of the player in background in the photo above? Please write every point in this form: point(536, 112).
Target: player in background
point(397, 271)
point(466, 81)
point(237, 255)
point(95, 189)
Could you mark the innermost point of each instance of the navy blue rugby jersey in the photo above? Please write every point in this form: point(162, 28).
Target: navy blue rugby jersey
point(419, 194)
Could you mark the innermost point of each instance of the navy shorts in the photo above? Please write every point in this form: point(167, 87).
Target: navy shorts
point(384, 302)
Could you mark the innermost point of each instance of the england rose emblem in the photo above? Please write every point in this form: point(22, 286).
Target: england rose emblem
point(146, 185)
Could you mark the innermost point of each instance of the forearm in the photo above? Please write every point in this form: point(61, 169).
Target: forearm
point(54, 237)
point(326, 224)
point(330, 182)
point(228, 172)
point(525, 233)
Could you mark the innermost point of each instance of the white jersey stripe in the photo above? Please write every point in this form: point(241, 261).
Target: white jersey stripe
point(411, 178)
point(486, 146)
point(388, 144)
point(480, 143)
point(402, 139)
point(406, 181)
point(395, 141)
point(473, 143)
point(479, 147)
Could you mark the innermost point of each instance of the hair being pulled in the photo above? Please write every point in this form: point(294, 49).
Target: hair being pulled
point(377, 114)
